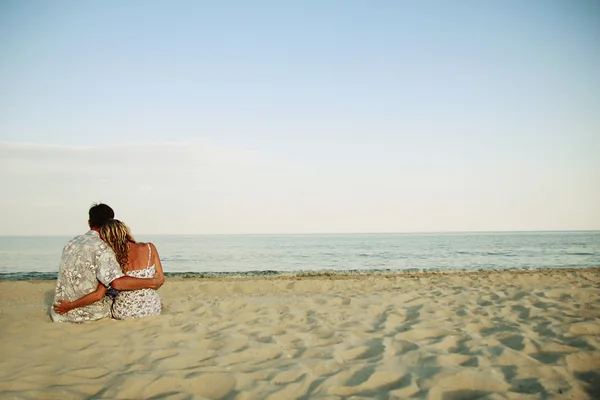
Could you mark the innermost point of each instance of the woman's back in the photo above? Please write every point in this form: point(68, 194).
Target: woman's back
point(143, 302)
point(140, 256)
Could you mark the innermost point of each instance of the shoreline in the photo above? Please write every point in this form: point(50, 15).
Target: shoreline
point(324, 274)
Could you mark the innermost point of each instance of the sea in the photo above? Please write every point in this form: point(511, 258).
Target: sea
point(37, 257)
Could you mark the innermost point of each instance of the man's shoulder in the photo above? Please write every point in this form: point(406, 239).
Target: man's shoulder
point(87, 240)
point(78, 238)
point(74, 241)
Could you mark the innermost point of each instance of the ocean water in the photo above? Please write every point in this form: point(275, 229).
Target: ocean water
point(37, 257)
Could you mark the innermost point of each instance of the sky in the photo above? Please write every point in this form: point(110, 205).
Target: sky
point(317, 116)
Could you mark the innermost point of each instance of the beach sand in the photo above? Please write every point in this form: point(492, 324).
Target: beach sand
point(506, 335)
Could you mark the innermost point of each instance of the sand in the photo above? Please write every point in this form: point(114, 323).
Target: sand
point(459, 336)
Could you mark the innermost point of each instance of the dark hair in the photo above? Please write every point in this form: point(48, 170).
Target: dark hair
point(99, 214)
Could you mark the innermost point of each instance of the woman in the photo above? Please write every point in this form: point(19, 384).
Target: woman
point(139, 260)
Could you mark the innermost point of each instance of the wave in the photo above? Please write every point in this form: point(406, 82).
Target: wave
point(47, 276)
point(28, 276)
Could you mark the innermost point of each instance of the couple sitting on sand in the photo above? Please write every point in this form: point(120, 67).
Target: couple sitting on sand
point(107, 255)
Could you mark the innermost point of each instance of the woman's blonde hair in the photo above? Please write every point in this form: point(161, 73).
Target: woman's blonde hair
point(117, 235)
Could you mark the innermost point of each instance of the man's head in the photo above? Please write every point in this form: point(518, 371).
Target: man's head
point(99, 214)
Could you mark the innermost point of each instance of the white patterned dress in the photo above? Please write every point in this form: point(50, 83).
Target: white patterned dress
point(138, 303)
point(86, 260)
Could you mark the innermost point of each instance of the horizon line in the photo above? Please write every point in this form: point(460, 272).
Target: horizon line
point(337, 233)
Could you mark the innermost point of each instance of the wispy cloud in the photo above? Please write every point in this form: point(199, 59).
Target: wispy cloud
point(25, 158)
point(43, 182)
point(197, 187)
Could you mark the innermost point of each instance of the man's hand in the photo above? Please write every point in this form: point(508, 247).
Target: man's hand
point(62, 306)
point(158, 281)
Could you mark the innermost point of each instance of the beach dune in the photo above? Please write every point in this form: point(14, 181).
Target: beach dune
point(492, 335)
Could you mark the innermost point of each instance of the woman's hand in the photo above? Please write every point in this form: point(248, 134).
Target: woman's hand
point(157, 281)
point(62, 306)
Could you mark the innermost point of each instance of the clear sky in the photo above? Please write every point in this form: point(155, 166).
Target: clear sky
point(300, 116)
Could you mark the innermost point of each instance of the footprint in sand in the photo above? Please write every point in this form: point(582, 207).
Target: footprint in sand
point(367, 382)
point(374, 348)
point(211, 386)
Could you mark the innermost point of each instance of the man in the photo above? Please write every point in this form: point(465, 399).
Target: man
point(86, 262)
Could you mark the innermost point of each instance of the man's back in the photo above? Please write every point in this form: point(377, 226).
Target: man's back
point(86, 260)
